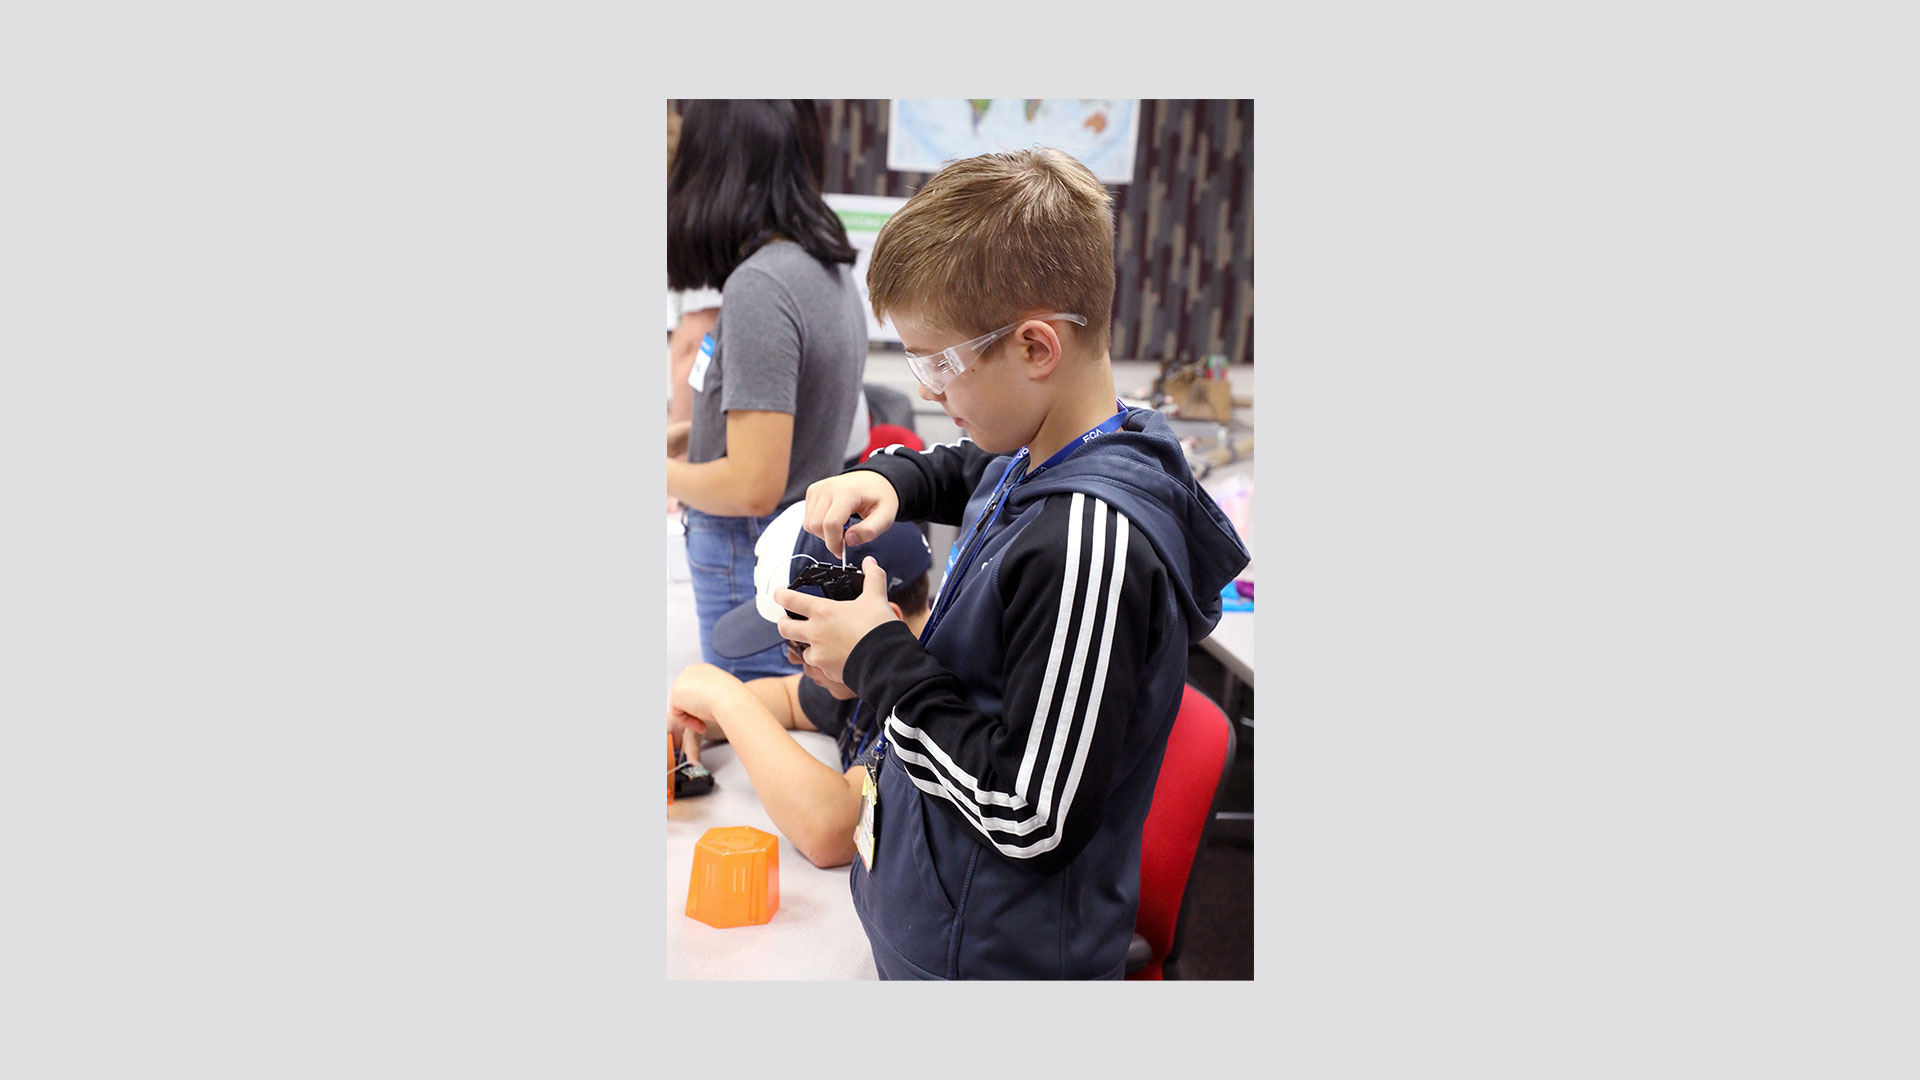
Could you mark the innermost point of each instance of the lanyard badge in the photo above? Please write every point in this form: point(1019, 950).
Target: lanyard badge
point(697, 378)
point(868, 829)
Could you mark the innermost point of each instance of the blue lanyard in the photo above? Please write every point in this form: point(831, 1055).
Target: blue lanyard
point(992, 512)
point(987, 517)
point(985, 522)
point(1105, 427)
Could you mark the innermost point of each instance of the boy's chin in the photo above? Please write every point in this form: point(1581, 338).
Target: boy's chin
point(993, 445)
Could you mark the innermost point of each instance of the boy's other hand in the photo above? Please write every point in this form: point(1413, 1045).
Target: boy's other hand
point(863, 494)
point(833, 627)
point(677, 433)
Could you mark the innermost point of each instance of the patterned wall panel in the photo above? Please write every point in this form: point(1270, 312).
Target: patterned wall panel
point(1184, 247)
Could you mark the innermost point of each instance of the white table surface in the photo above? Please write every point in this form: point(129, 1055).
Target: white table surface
point(813, 935)
point(1232, 642)
point(1232, 638)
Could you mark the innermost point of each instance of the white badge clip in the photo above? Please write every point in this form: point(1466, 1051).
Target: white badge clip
point(697, 378)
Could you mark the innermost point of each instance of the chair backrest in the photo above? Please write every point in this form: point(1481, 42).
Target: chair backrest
point(881, 436)
point(885, 405)
point(1199, 754)
point(889, 421)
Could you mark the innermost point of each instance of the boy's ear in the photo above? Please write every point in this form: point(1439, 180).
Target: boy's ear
point(1040, 347)
point(897, 613)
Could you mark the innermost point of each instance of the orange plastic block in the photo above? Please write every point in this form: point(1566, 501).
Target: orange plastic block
point(736, 877)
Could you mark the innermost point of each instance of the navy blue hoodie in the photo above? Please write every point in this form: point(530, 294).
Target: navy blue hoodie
point(1025, 735)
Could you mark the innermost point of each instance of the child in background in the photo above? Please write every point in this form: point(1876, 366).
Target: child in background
point(813, 805)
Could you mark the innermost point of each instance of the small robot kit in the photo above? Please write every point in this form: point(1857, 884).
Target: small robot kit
point(685, 778)
point(1196, 389)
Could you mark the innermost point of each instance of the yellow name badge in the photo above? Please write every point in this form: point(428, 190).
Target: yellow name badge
point(869, 825)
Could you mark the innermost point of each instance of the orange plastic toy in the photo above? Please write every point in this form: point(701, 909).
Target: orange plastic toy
point(736, 877)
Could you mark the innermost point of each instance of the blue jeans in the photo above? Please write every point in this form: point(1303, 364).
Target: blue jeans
point(720, 559)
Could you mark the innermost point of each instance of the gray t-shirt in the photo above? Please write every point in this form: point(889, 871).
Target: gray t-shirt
point(792, 338)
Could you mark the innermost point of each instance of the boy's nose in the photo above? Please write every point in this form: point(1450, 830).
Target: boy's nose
point(928, 395)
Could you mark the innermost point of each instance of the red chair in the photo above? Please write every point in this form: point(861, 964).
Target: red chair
point(1199, 752)
point(881, 436)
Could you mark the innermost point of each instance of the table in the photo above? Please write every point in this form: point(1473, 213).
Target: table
point(1232, 639)
point(1232, 642)
point(814, 934)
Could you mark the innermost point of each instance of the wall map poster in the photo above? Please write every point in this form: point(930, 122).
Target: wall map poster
point(924, 134)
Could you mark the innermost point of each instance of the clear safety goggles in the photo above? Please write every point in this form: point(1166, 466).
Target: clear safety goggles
point(936, 370)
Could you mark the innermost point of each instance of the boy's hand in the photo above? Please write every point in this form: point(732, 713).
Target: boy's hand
point(833, 627)
point(864, 494)
point(677, 433)
point(700, 692)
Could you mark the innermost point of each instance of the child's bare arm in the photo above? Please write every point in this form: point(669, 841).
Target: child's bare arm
point(812, 804)
point(748, 480)
point(779, 695)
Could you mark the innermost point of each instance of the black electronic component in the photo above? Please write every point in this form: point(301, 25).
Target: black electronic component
point(691, 778)
point(836, 582)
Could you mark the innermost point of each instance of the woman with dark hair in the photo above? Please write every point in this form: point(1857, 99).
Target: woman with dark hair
point(777, 383)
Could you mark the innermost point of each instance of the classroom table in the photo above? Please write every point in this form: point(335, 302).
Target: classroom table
point(1232, 639)
point(1232, 643)
point(813, 935)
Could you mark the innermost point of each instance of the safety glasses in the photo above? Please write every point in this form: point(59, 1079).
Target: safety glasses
point(936, 370)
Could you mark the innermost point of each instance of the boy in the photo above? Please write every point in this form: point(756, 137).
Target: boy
point(1026, 721)
point(813, 805)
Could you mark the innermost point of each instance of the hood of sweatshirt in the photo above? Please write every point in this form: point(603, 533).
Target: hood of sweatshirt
point(1142, 472)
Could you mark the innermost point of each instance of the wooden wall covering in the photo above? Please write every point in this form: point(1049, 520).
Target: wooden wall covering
point(1184, 247)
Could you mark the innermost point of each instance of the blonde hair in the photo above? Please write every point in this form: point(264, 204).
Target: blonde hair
point(993, 238)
